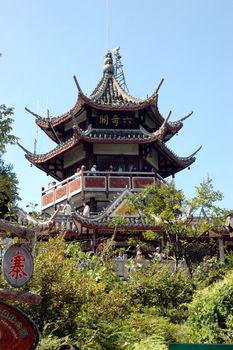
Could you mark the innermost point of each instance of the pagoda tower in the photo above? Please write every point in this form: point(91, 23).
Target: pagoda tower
point(123, 136)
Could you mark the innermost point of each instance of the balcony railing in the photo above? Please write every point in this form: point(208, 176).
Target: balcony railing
point(101, 181)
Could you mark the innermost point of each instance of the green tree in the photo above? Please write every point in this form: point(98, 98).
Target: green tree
point(167, 207)
point(205, 201)
point(6, 121)
point(8, 180)
point(8, 189)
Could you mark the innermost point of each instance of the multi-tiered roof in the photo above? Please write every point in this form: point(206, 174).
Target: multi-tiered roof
point(108, 116)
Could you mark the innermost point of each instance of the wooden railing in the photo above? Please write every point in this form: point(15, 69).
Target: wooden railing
point(101, 181)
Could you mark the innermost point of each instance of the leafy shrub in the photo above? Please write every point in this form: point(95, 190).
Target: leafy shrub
point(208, 272)
point(139, 326)
point(160, 287)
point(211, 313)
point(150, 343)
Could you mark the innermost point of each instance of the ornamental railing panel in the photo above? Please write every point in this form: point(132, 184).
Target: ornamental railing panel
point(102, 181)
point(75, 186)
point(138, 183)
point(94, 183)
point(116, 183)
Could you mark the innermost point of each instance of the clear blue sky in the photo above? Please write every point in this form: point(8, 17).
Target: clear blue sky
point(189, 43)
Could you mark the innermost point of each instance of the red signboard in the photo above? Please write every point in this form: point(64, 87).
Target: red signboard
point(17, 265)
point(17, 331)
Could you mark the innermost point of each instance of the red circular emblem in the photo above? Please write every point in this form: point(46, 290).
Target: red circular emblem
point(17, 265)
point(17, 331)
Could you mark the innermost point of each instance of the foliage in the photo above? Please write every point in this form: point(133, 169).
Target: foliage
point(8, 190)
point(49, 343)
point(150, 235)
point(6, 127)
point(77, 297)
point(162, 201)
point(85, 303)
point(213, 217)
point(164, 206)
point(141, 325)
point(211, 313)
point(150, 343)
point(208, 272)
point(8, 180)
point(160, 287)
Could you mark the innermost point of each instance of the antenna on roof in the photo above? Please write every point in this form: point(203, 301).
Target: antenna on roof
point(52, 128)
point(35, 143)
point(36, 136)
point(118, 68)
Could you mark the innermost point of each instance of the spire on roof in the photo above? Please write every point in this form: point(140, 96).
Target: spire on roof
point(108, 63)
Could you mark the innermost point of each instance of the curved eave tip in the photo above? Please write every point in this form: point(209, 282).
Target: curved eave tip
point(77, 85)
point(192, 155)
point(32, 113)
point(23, 148)
point(156, 91)
point(186, 116)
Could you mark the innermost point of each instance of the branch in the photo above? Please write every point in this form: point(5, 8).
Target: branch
point(16, 229)
point(26, 297)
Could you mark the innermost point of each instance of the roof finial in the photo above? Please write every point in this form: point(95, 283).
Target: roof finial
point(108, 63)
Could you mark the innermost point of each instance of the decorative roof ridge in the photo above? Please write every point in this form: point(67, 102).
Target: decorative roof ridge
point(158, 87)
point(180, 121)
point(104, 219)
point(119, 106)
point(100, 87)
point(140, 135)
point(155, 92)
point(125, 93)
point(109, 209)
point(193, 154)
point(187, 159)
point(33, 113)
point(159, 133)
point(77, 85)
point(24, 149)
point(43, 121)
point(123, 195)
point(64, 145)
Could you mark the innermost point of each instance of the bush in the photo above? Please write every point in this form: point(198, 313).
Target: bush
point(159, 287)
point(150, 343)
point(211, 313)
point(209, 272)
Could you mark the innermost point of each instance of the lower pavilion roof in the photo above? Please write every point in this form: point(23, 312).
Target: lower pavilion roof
point(104, 220)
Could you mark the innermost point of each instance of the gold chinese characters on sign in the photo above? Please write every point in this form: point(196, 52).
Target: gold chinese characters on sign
point(115, 121)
